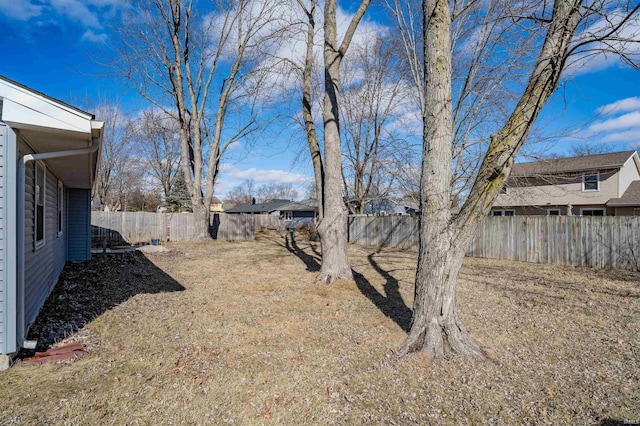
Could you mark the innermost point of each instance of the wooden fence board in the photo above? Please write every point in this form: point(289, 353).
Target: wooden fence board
point(597, 242)
point(134, 227)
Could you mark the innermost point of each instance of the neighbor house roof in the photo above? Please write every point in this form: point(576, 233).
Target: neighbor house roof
point(300, 206)
point(215, 200)
point(631, 196)
point(258, 207)
point(611, 160)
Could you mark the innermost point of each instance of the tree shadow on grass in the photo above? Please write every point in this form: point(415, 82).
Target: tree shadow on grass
point(311, 262)
point(391, 303)
point(86, 290)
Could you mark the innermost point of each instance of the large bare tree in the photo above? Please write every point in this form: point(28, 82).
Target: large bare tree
point(566, 28)
point(192, 59)
point(156, 140)
point(374, 96)
point(333, 228)
point(327, 159)
point(118, 171)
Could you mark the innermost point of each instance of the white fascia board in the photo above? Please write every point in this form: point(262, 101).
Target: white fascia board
point(24, 109)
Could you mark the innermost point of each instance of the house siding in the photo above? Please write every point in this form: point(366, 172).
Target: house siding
point(42, 265)
point(542, 192)
point(628, 173)
point(4, 282)
point(8, 341)
point(79, 218)
point(542, 211)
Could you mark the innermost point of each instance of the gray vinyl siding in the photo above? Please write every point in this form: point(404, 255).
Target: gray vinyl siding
point(7, 240)
point(79, 218)
point(4, 285)
point(43, 264)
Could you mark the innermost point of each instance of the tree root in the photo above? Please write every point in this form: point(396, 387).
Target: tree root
point(435, 339)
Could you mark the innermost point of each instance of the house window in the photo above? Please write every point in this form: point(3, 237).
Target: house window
point(60, 206)
point(553, 212)
point(504, 190)
point(503, 213)
point(636, 211)
point(288, 215)
point(40, 192)
point(592, 212)
point(591, 182)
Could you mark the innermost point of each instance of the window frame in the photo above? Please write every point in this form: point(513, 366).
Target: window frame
point(554, 210)
point(584, 181)
point(503, 213)
point(39, 192)
point(60, 211)
point(604, 211)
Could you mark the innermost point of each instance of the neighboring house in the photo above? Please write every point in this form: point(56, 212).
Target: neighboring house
point(48, 158)
point(300, 211)
point(216, 205)
point(390, 207)
point(271, 207)
point(590, 185)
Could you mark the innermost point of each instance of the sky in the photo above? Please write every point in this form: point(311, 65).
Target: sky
point(53, 46)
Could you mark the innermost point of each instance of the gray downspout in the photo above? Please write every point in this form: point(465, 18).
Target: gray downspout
point(22, 162)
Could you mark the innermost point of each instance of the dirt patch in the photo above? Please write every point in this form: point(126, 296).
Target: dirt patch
point(240, 333)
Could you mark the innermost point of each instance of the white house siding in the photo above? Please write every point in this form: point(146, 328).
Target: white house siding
point(44, 264)
point(628, 173)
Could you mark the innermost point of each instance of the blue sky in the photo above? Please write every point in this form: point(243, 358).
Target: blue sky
point(49, 45)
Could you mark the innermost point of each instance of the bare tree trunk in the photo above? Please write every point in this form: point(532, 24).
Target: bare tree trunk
point(307, 113)
point(201, 216)
point(443, 240)
point(435, 322)
point(333, 228)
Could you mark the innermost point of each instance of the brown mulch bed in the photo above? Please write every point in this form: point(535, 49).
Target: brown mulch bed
point(240, 333)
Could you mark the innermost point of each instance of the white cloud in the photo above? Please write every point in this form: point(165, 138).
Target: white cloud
point(267, 176)
point(21, 10)
point(87, 13)
point(629, 136)
point(623, 105)
point(624, 121)
point(621, 123)
point(90, 35)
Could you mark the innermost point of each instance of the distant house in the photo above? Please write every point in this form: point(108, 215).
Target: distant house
point(290, 213)
point(590, 185)
point(49, 154)
point(271, 207)
point(216, 205)
point(390, 207)
point(300, 211)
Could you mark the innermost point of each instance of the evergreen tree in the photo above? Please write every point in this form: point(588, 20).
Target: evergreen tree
point(178, 198)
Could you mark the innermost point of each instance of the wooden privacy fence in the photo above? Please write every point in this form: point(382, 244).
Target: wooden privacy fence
point(599, 242)
point(133, 227)
point(266, 221)
point(384, 231)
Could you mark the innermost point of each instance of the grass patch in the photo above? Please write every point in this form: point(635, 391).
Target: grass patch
point(240, 333)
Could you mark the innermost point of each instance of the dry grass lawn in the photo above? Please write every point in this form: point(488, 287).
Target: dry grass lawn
point(239, 333)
